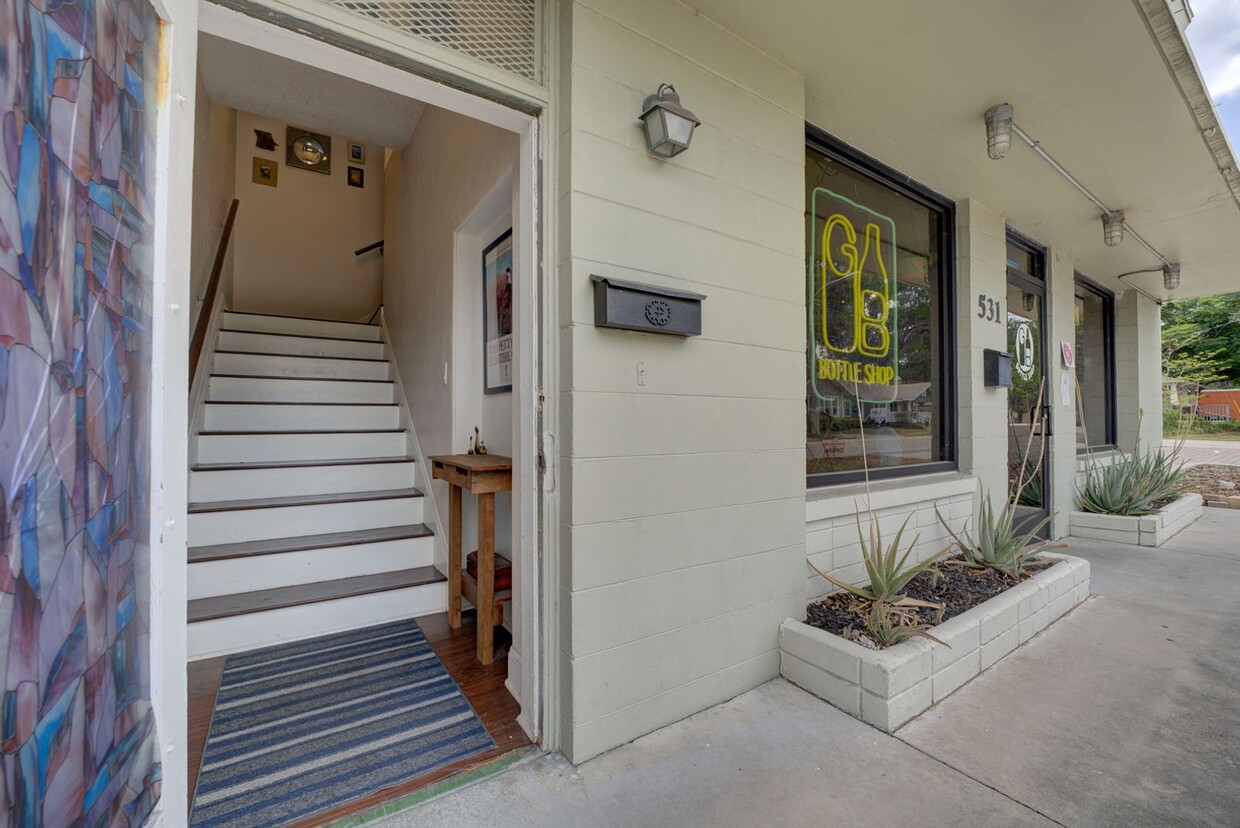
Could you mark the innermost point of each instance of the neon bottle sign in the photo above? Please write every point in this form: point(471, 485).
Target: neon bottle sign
point(852, 315)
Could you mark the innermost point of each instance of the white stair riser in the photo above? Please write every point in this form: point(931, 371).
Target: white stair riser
point(298, 345)
point(277, 365)
point(250, 389)
point(221, 636)
point(304, 327)
point(240, 417)
point(267, 448)
point(242, 484)
point(229, 577)
point(240, 525)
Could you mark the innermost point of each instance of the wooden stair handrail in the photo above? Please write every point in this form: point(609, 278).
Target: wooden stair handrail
point(199, 338)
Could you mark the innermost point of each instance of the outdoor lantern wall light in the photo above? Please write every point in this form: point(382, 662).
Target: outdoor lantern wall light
point(1113, 228)
point(669, 126)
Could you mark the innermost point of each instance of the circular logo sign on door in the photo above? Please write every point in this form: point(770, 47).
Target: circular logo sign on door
point(1023, 359)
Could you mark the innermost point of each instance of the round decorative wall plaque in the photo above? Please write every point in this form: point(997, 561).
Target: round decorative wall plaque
point(658, 312)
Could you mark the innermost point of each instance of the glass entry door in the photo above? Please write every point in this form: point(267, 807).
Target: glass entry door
point(1029, 400)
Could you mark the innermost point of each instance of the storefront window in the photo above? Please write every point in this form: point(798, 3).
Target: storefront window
point(877, 389)
point(1095, 377)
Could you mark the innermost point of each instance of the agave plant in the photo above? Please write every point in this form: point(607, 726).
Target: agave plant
point(889, 571)
point(996, 544)
point(1131, 484)
point(888, 625)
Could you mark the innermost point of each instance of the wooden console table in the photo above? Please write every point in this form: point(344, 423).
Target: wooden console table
point(482, 475)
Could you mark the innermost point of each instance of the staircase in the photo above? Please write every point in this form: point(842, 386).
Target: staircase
point(304, 515)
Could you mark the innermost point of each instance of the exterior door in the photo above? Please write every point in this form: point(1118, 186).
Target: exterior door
point(1029, 399)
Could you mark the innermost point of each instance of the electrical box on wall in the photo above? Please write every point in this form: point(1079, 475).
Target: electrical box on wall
point(997, 369)
point(636, 307)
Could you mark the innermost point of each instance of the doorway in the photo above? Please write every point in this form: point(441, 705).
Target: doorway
point(1029, 422)
point(403, 364)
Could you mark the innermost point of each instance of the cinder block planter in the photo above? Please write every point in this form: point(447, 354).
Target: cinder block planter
point(1145, 530)
point(886, 688)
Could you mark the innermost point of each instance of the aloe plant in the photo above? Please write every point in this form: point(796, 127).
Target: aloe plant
point(995, 543)
point(888, 570)
point(1131, 484)
point(888, 626)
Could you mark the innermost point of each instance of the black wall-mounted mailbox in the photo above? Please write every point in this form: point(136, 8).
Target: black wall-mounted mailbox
point(997, 369)
point(632, 306)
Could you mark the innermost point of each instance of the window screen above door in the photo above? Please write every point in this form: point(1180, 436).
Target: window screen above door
point(498, 32)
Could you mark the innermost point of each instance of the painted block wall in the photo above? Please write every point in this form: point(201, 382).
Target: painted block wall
point(832, 540)
point(293, 244)
point(80, 102)
point(683, 488)
point(215, 184)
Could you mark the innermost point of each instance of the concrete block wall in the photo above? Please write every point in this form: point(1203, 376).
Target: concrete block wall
point(1060, 310)
point(1138, 370)
point(981, 267)
point(682, 467)
point(832, 542)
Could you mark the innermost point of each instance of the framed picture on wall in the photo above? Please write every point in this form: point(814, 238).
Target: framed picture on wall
point(356, 177)
point(497, 315)
point(265, 171)
point(357, 153)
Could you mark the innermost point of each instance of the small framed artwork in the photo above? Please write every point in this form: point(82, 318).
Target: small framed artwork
point(357, 177)
point(357, 153)
point(265, 171)
point(308, 150)
point(497, 315)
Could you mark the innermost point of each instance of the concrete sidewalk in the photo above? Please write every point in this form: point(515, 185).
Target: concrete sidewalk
point(1126, 712)
point(1214, 452)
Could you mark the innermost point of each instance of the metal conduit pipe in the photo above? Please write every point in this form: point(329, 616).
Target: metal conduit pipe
point(1059, 168)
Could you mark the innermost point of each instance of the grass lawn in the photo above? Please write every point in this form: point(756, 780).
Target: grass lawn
point(1218, 436)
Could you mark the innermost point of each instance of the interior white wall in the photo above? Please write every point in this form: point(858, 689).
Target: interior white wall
point(433, 186)
point(293, 243)
point(491, 413)
point(215, 174)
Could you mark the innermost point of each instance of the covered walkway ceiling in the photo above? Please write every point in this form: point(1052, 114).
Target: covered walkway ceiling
point(908, 83)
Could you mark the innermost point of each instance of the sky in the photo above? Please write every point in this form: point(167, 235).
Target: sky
point(1215, 37)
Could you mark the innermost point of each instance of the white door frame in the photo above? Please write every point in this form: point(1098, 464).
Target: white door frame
point(249, 31)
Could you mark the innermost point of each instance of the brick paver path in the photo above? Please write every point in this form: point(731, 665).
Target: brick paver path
point(1215, 452)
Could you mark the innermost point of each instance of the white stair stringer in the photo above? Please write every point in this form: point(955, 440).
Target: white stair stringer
point(305, 514)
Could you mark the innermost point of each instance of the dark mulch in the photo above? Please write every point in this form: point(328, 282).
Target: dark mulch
point(956, 587)
point(1211, 481)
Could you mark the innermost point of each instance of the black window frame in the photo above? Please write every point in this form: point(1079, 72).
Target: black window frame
point(859, 162)
point(1081, 282)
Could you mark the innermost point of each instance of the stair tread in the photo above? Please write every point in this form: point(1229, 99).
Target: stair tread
point(301, 500)
point(302, 318)
point(300, 464)
point(298, 379)
point(274, 546)
point(304, 336)
point(302, 356)
point(225, 606)
point(300, 402)
point(304, 431)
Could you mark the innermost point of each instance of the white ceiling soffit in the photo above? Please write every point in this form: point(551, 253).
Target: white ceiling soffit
point(267, 84)
point(908, 83)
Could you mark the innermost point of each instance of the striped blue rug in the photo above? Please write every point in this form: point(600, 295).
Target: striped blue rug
point(303, 727)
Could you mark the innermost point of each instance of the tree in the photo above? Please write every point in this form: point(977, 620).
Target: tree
point(1201, 341)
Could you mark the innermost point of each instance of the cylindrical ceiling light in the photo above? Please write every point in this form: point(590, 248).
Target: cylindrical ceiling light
point(1113, 228)
point(999, 130)
point(1171, 276)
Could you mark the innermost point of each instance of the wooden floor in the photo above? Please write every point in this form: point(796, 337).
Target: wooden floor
point(483, 687)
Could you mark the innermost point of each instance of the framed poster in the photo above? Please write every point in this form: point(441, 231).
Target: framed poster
point(497, 315)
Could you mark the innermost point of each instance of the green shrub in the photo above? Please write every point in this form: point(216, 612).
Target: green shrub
point(889, 571)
